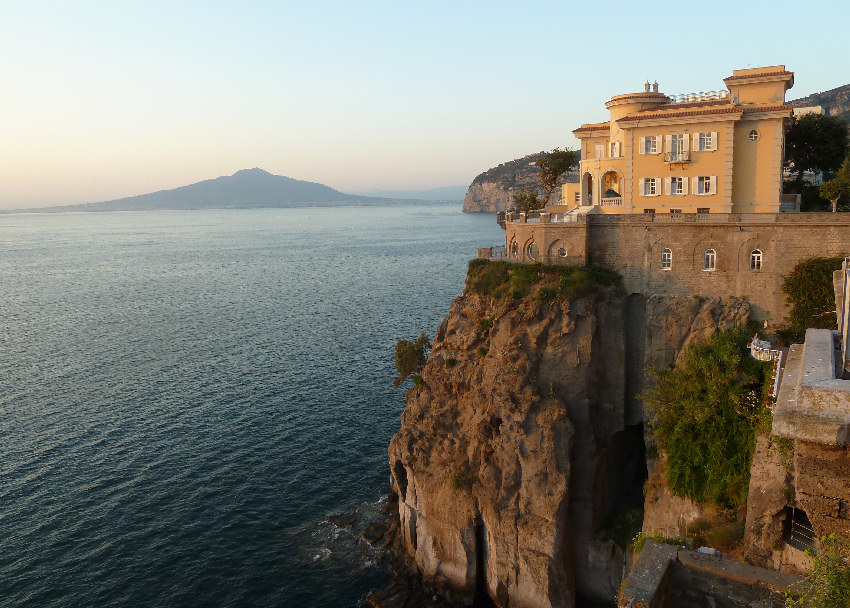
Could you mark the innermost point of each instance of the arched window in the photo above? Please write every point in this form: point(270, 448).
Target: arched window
point(533, 251)
point(710, 260)
point(755, 260)
point(514, 249)
point(562, 253)
point(666, 259)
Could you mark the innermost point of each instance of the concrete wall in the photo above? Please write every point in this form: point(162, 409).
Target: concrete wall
point(632, 244)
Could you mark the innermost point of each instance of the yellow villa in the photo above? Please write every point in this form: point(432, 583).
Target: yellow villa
point(718, 152)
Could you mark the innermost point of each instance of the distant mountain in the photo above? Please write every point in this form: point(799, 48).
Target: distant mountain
point(447, 193)
point(835, 102)
point(248, 188)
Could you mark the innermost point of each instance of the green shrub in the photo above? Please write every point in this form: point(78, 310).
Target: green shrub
point(705, 414)
point(485, 277)
point(481, 351)
point(496, 278)
point(485, 324)
point(810, 296)
point(547, 293)
point(828, 586)
point(417, 380)
point(410, 357)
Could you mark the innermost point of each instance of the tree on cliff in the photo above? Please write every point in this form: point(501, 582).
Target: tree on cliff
point(704, 416)
point(527, 199)
point(834, 189)
point(816, 142)
point(810, 296)
point(552, 166)
point(410, 357)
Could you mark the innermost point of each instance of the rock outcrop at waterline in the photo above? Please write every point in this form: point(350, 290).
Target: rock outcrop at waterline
point(524, 442)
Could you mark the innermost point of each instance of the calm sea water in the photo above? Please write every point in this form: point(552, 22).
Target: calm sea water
point(184, 396)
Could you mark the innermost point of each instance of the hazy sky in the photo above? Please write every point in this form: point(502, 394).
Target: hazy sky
point(113, 98)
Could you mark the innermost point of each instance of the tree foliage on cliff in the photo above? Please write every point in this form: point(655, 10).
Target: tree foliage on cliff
point(552, 166)
point(835, 189)
point(497, 279)
point(410, 357)
point(527, 199)
point(828, 586)
point(810, 295)
point(705, 413)
point(816, 142)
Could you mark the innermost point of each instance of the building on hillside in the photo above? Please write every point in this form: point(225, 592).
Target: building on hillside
point(683, 196)
point(717, 152)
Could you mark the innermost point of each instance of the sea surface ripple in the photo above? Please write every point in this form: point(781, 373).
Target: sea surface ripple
point(185, 395)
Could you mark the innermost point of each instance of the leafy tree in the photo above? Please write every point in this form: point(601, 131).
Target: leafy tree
point(705, 413)
point(816, 142)
point(834, 189)
point(828, 586)
point(527, 199)
point(844, 171)
point(410, 357)
point(552, 166)
point(810, 294)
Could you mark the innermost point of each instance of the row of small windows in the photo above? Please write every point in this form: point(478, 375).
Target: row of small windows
point(533, 251)
point(678, 186)
point(709, 259)
point(678, 143)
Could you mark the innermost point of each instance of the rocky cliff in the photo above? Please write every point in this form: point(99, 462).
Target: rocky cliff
point(835, 102)
point(493, 190)
point(522, 446)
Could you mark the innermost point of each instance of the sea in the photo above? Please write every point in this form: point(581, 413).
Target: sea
point(195, 405)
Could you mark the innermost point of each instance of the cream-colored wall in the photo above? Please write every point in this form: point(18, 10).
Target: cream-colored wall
point(568, 193)
point(757, 179)
point(705, 163)
point(759, 92)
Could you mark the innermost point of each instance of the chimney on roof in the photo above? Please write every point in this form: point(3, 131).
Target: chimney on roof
point(646, 87)
point(655, 87)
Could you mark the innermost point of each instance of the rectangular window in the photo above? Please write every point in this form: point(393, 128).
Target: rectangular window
point(703, 210)
point(705, 184)
point(677, 185)
point(705, 142)
point(666, 259)
point(677, 146)
point(599, 150)
point(578, 197)
point(649, 210)
point(675, 210)
point(650, 145)
point(650, 186)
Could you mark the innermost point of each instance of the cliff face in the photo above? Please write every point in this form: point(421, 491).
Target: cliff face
point(525, 441)
point(493, 190)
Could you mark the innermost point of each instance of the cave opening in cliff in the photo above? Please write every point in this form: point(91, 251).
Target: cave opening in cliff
point(482, 597)
point(401, 479)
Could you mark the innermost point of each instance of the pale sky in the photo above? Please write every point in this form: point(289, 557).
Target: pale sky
point(112, 98)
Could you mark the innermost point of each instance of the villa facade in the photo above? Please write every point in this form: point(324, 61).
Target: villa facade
point(717, 152)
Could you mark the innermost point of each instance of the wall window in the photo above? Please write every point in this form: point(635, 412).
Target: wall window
point(649, 210)
point(754, 135)
point(703, 210)
point(562, 253)
point(755, 259)
point(533, 251)
point(650, 186)
point(599, 150)
point(649, 144)
point(666, 259)
point(705, 142)
point(675, 210)
point(614, 149)
point(514, 249)
point(677, 185)
point(578, 197)
point(705, 185)
point(709, 260)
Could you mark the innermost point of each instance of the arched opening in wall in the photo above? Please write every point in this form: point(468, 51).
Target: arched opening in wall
point(532, 251)
point(797, 529)
point(755, 259)
point(611, 189)
point(587, 189)
point(514, 250)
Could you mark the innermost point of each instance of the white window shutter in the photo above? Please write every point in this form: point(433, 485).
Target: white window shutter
point(667, 185)
point(684, 185)
point(713, 184)
point(642, 145)
point(713, 141)
point(641, 186)
point(686, 143)
point(668, 143)
point(619, 153)
point(657, 140)
point(695, 185)
point(696, 142)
